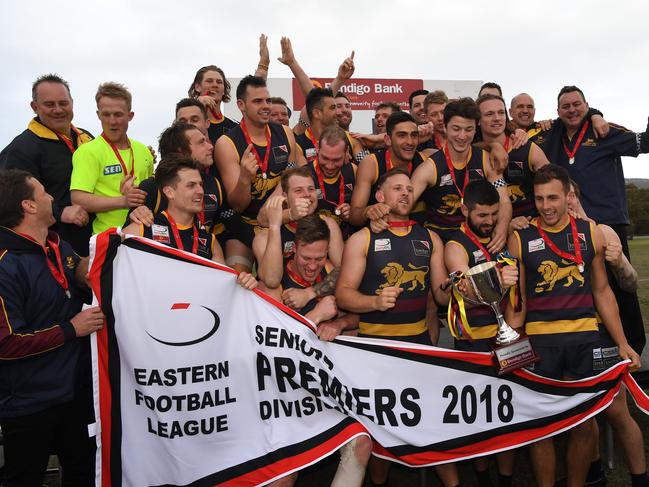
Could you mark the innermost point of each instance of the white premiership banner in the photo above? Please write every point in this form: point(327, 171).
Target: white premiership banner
point(201, 382)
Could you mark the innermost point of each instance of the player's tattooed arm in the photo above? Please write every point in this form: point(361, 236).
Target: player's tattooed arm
point(327, 286)
point(625, 275)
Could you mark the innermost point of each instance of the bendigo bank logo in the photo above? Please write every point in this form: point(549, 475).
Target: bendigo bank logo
point(396, 276)
point(187, 326)
point(553, 274)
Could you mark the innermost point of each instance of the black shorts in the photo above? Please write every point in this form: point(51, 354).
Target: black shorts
point(481, 345)
point(421, 339)
point(605, 353)
point(564, 362)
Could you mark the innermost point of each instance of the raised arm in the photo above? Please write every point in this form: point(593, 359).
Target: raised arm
point(264, 58)
point(288, 59)
point(345, 72)
point(267, 245)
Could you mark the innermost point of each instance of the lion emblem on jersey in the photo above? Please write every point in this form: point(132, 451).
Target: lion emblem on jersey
point(396, 276)
point(261, 186)
point(552, 274)
point(450, 204)
point(515, 192)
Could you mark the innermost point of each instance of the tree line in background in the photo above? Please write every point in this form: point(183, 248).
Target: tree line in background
point(638, 201)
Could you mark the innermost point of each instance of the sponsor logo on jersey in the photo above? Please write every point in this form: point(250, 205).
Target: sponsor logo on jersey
point(381, 244)
point(160, 233)
point(446, 180)
point(114, 169)
point(289, 248)
point(535, 245)
point(421, 248)
point(582, 241)
point(478, 255)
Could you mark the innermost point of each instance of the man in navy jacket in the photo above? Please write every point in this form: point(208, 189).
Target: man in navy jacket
point(42, 407)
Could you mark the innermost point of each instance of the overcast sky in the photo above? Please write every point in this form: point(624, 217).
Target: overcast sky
point(155, 47)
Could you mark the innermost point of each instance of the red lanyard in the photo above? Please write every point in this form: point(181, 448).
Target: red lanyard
point(451, 169)
point(565, 255)
point(406, 223)
point(57, 270)
point(309, 134)
point(297, 278)
point(119, 156)
point(438, 141)
point(506, 144)
point(263, 165)
point(67, 140)
point(474, 238)
point(217, 118)
point(571, 153)
point(341, 189)
point(174, 230)
point(389, 165)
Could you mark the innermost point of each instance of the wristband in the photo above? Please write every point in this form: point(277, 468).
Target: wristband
point(304, 123)
point(499, 183)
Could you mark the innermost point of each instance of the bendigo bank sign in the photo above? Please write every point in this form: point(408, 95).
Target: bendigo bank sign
point(365, 93)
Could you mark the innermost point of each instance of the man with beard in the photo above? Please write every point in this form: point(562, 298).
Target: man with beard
point(343, 111)
point(466, 249)
point(45, 150)
point(562, 320)
point(401, 139)
point(251, 157)
point(386, 309)
point(451, 169)
point(523, 162)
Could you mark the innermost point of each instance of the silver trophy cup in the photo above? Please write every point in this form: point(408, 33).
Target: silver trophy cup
point(484, 281)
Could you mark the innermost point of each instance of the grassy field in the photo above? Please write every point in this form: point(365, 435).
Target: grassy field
point(639, 248)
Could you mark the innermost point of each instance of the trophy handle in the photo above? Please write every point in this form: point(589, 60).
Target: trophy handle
point(455, 278)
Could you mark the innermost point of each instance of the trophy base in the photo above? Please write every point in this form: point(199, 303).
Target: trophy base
point(514, 355)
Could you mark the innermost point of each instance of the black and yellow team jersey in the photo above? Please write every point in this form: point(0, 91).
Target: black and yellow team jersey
point(219, 128)
point(560, 307)
point(481, 319)
point(292, 279)
point(192, 237)
point(380, 160)
point(443, 201)
point(287, 235)
point(519, 176)
point(264, 183)
point(308, 145)
point(397, 257)
point(213, 200)
point(336, 190)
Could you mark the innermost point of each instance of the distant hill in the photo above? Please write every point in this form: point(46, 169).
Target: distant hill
point(639, 183)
